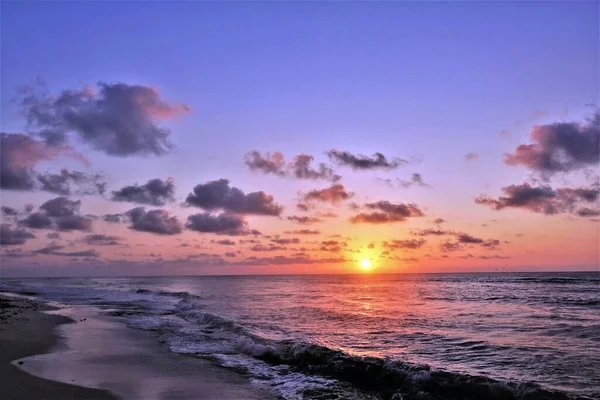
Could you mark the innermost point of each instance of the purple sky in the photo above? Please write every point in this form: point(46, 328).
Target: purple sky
point(186, 90)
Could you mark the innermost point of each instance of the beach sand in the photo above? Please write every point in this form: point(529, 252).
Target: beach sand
point(103, 357)
point(24, 331)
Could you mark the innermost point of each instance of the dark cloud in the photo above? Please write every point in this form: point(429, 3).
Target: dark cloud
point(386, 212)
point(450, 246)
point(61, 207)
point(560, 147)
point(225, 242)
point(303, 232)
point(439, 221)
point(300, 167)
point(118, 119)
point(540, 199)
point(269, 164)
point(300, 258)
point(334, 194)
point(53, 249)
point(72, 182)
point(269, 247)
point(218, 195)
point(304, 220)
point(60, 213)
point(302, 207)
point(74, 223)
point(155, 192)
point(286, 241)
point(9, 211)
point(114, 218)
point(332, 245)
point(472, 157)
point(19, 154)
point(10, 236)
point(433, 232)
point(230, 254)
point(362, 162)
point(221, 224)
point(153, 221)
point(37, 220)
point(53, 235)
point(404, 244)
point(102, 240)
point(466, 238)
point(588, 212)
point(416, 180)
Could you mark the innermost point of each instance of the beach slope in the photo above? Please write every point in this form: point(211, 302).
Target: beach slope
point(25, 331)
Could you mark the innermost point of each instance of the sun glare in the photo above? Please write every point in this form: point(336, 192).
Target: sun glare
point(365, 263)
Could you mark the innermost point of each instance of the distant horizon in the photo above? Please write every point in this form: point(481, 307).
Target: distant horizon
point(313, 273)
point(277, 138)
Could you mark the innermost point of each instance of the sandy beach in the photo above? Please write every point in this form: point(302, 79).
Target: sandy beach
point(100, 358)
point(25, 331)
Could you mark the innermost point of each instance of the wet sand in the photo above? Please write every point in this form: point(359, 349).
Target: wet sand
point(24, 331)
point(102, 354)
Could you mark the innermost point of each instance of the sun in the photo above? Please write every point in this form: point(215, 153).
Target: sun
point(365, 263)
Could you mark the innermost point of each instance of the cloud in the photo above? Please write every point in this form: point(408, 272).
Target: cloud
point(269, 164)
point(117, 119)
point(286, 241)
point(74, 223)
point(362, 162)
point(540, 199)
point(450, 246)
point(334, 194)
point(59, 213)
point(230, 254)
point(61, 207)
point(332, 245)
point(19, 154)
point(269, 247)
point(62, 182)
point(404, 244)
point(53, 235)
point(304, 220)
point(13, 236)
point(37, 220)
point(472, 157)
point(433, 232)
point(416, 180)
point(226, 242)
point(302, 207)
point(303, 232)
point(53, 250)
point(300, 167)
point(9, 211)
point(153, 221)
point(155, 192)
point(218, 195)
point(466, 238)
point(560, 147)
point(588, 212)
point(221, 224)
point(102, 240)
point(386, 212)
point(439, 221)
point(113, 218)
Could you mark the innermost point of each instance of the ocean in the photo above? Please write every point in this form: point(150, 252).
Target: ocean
point(370, 336)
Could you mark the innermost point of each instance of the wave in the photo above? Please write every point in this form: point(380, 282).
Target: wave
point(180, 295)
point(393, 379)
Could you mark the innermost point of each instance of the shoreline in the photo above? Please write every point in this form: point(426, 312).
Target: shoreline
point(26, 331)
point(102, 359)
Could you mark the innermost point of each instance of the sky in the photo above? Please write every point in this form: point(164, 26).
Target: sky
point(187, 138)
